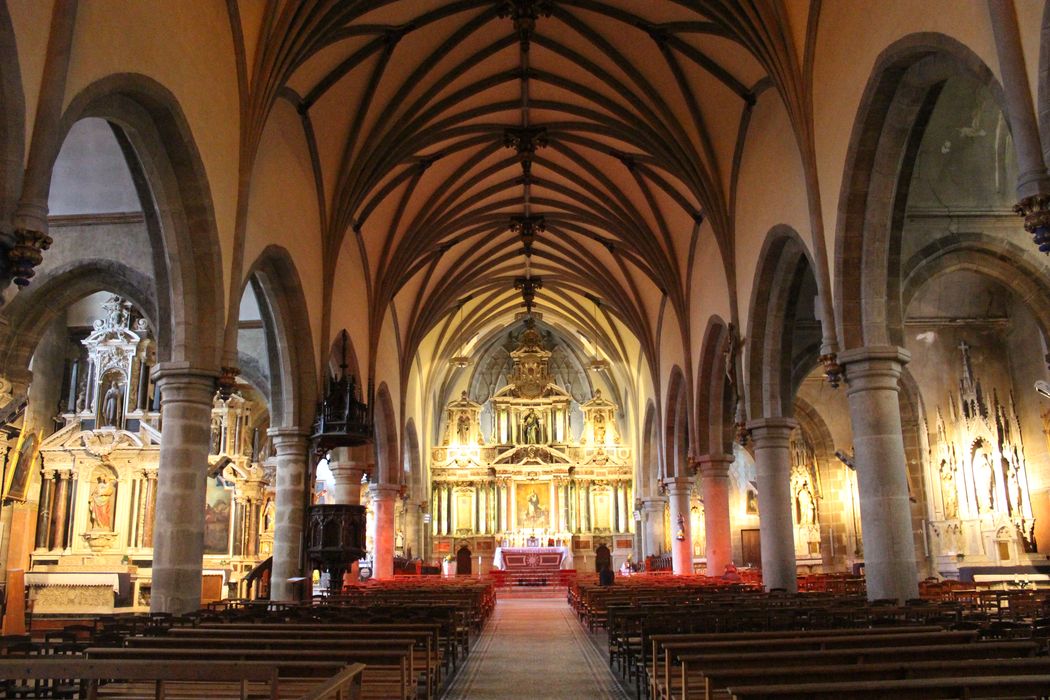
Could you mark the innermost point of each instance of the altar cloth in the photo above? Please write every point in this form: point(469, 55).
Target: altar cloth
point(528, 557)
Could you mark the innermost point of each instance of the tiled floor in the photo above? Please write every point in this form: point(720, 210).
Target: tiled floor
point(535, 648)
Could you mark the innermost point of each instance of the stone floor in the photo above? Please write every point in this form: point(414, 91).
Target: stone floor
point(535, 648)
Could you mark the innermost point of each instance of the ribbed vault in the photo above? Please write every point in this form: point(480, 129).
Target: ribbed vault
point(451, 138)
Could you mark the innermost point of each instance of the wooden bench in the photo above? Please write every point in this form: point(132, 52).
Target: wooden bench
point(427, 659)
point(689, 682)
point(341, 645)
point(385, 675)
point(910, 689)
point(718, 680)
point(657, 642)
point(131, 679)
point(435, 649)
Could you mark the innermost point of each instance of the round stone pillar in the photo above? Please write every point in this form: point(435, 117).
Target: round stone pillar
point(384, 497)
point(873, 377)
point(653, 526)
point(776, 526)
point(714, 487)
point(178, 538)
point(346, 476)
point(290, 447)
point(678, 491)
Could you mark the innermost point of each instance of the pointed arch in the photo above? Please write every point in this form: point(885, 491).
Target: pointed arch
point(286, 321)
point(776, 359)
point(896, 106)
point(715, 395)
point(677, 445)
point(386, 441)
point(173, 187)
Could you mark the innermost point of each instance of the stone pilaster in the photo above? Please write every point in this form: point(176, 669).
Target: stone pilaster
point(290, 446)
point(714, 487)
point(384, 497)
point(178, 537)
point(776, 527)
point(678, 490)
point(873, 378)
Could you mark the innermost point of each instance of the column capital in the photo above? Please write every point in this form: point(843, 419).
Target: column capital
point(709, 466)
point(874, 367)
point(288, 440)
point(771, 432)
point(182, 381)
point(651, 505)
point(679, 484)
point(383, 492)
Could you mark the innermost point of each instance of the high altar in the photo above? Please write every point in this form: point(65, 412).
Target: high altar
point(98, 480)
point(532, 484)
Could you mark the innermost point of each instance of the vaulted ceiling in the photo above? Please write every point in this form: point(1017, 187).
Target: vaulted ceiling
point(452, 138)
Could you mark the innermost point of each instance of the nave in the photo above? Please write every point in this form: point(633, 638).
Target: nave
point(536, 648)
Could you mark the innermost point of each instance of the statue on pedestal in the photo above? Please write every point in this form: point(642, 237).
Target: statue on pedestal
point(111, 405)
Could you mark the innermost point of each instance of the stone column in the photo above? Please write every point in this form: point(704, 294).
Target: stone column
point(383, 496)
point(653, 526)
point(776, 526)
point(178, 537)
point(290, 448)
point(678, 490)
point(60, 510)
point(882, 473)
point(714, 486)
point(346, 475)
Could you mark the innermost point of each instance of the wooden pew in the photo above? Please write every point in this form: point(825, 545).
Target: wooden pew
point(689, 682)
point(426, 657)
point(129, 679)
point(442, 646)
point(718, 680)
point(344, 686)
point(657, 657)
point(248, 641)
point(910, 689)
point(385, 674)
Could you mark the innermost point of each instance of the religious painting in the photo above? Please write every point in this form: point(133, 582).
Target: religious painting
point(217, 516)
point(464, 510)
point(534, 506)
point(751, 500)
point(602, 511)
point(20, 466)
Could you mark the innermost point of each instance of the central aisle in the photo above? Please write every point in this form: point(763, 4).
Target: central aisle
point(534, 648)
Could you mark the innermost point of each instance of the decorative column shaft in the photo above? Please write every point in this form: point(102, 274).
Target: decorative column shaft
point(714, 486)
point(873, 376)
point(384, 498)
point(149, 507)
point(178, 537)
point(60, 510)
point(653, 526)
point(678, 491)
point(43, 516)
point(776, 526)
point(290, 448)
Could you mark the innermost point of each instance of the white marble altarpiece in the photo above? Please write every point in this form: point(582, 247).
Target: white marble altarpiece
point(98, 480)
point(532, 483)
point(979, 499)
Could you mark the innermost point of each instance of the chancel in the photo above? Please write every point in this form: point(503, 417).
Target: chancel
point(522, 348)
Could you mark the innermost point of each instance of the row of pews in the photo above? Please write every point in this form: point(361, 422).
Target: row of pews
point(695, 637)
point(391, 640)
